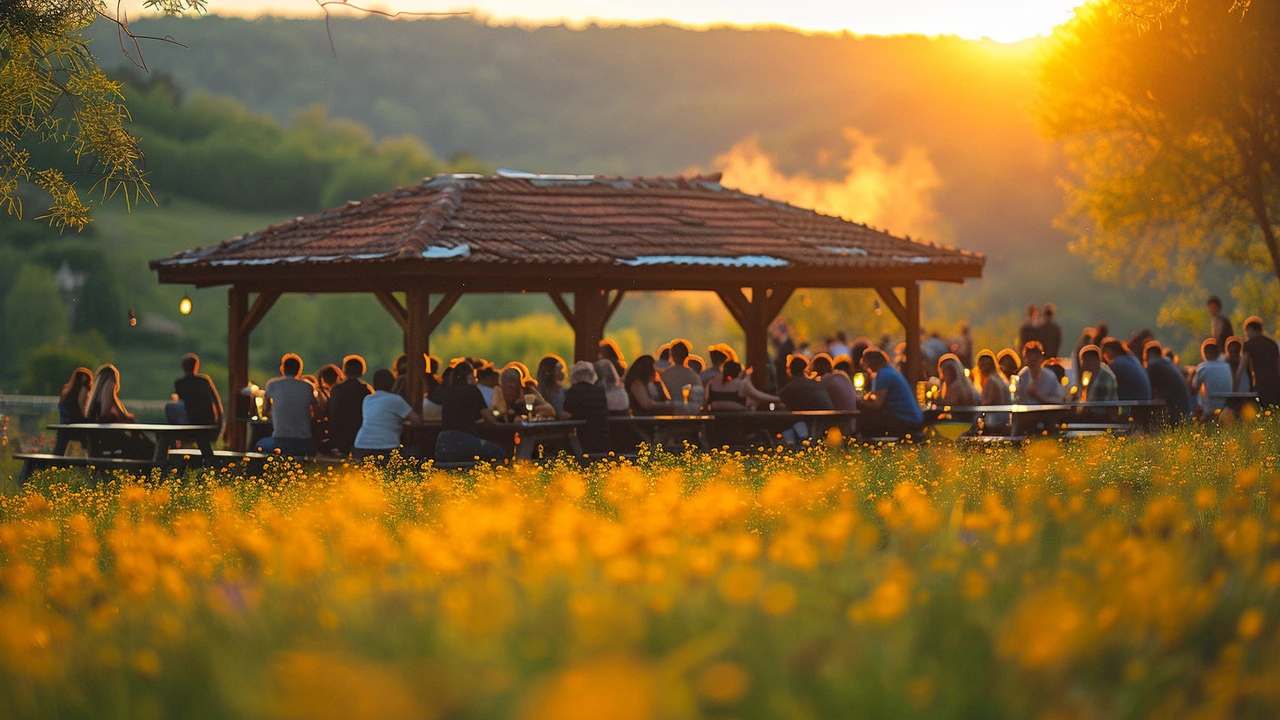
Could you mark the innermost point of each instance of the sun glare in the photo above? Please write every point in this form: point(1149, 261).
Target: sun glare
point(1000, 20)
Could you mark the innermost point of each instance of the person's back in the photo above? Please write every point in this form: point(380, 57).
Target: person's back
point(382, 417)
point(585, 400)
point(1132, 382)
point(346, 405)
point(841, 391)
point(900, 402)
point(1168, 383)
point(199, 399)
point(804, 393)
point(1263, 356)
point(1210, 380)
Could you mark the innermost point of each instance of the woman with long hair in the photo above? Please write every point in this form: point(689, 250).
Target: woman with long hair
point(74, 398)
point(995, 391)
point(614, 393)
point(731, 391)
point(957, 390)
point(105, 407)
point(640, 377)
point(550, 381)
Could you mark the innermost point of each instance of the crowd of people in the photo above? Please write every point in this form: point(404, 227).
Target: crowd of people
point(336, 412)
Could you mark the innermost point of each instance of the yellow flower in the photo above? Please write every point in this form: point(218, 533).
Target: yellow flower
point(723, 683)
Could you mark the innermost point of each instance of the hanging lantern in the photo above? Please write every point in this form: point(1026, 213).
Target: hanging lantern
point(133, 318)
point(184, 305)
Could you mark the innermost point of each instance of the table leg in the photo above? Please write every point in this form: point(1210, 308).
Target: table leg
point(161, 455)
point(524, 451)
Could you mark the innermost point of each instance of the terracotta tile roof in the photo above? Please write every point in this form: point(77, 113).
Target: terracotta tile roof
point(518, 218)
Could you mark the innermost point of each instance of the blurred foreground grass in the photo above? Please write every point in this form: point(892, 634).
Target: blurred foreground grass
point(1108, 578)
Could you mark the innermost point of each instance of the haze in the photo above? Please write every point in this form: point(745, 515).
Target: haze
point(1001, 20)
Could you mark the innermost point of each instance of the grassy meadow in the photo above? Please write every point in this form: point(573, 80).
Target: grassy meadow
point(1106, 578)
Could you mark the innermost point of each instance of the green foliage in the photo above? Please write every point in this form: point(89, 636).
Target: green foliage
point(33, 314)
point(52, 91)
point(1173, 127)
point(49, 366)
point(525, 339)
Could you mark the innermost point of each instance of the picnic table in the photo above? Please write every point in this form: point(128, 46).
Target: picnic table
point(165, 436)
point(533, 434)
point(1235, 401)
point(656, 429)
point(734, 424)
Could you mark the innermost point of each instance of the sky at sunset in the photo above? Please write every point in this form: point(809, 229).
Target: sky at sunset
point(1002, 20)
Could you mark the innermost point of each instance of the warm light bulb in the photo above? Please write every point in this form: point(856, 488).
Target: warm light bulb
point(859, 381)
point(184, 306)
point(133, 318)
point(1086, 378)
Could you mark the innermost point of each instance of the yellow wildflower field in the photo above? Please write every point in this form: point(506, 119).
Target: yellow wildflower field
point(1102, 578)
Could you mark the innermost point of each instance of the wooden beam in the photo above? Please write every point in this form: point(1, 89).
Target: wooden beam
point(777, 298)
point(237, 368)
point(737, 305)
point(261, 306)
point(590, 307)
point(613, 305)
point(441, 309)
point(393, 306)
point(891, 301)
point(570, 315)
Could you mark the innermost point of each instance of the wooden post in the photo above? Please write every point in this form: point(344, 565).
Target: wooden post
point(915, 360)
point(237, 368)
point(417, 342)
point(754, 316)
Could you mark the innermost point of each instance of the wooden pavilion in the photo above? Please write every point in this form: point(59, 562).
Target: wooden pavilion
point(584, 240)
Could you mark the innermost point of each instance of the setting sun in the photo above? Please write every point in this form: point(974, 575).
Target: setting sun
point(1000, 20)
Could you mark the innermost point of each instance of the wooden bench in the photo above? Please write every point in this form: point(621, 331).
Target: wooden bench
point(35, 462)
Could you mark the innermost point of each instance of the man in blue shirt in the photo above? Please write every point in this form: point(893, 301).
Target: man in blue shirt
point(1131, 378)
point(1167, 382)
point(891, 408)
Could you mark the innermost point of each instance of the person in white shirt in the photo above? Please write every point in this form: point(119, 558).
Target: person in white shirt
point(1211, 377)
point(1036, 386)
point(384, 413)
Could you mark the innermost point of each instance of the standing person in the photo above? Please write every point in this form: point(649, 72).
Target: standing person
point(1131, 379)
point(1035, 383)
point(1030, 326)
point(201, 400)
point(1210, 378)
point(550, 376)
point(890, 408)
point(585, 400)
point(1261, 359)
point(105, 407)
point(464, 409)
point(346, 405)
point(383, 415)
point(1050, 331)
point(1219, 325)
point(1167, 382)
point(291, 403)
point(75, 397)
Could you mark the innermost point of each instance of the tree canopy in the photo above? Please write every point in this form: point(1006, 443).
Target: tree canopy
point(1170, 115)
point(52, 91)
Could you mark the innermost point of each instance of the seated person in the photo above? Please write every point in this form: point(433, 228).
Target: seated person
point(585, 400)
point(1009, 363)
point(463, 411)
point(995, 391)
point(837, 384)
point(383, 415)
point(1131, 379)
point(1036, 384)
point(1167, 382)
point(346, 403)
point(1097, 381)
point(733, 391)
point(642, 374)
point(890, 408)
point(1235, 353)
point(105, 407)
point(201, 402)
point(679, 375)
point(803, 392)
point(1211, 378)
point(550, 379)
point(957, 390)
point(291, 403)
point(614, 393)
point(487, 381)
point(513, 396)
point(75, 397)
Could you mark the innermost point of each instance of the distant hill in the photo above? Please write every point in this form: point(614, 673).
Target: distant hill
point(942, 120)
